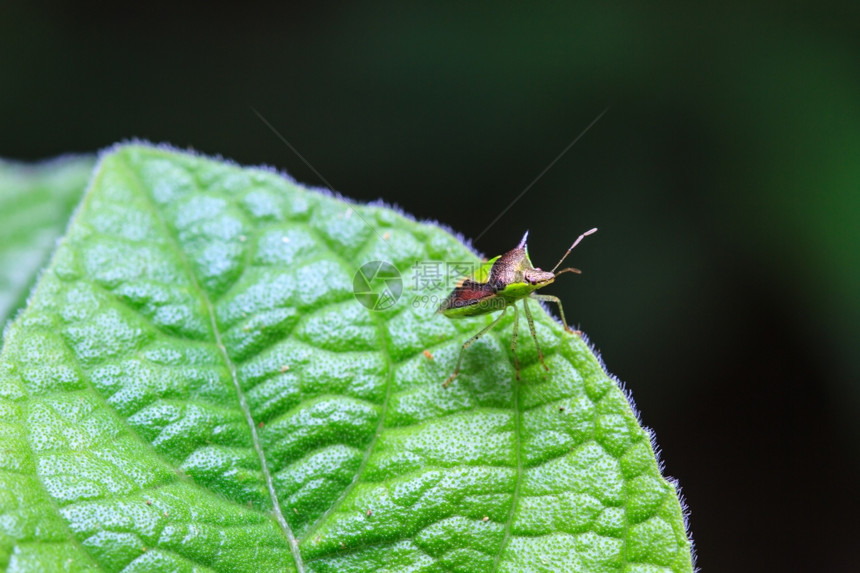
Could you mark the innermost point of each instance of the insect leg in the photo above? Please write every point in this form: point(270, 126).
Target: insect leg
point(514, 340)
point(534, 333)
point(556, 300)
point(468, 343)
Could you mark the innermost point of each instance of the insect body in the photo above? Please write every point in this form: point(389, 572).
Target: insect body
point(498, 285)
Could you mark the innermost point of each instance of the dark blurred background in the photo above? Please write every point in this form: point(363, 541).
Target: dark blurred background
point(724, 284)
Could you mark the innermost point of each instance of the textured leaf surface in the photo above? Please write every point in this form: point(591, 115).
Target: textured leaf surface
point(194, 387)
point(35, 204)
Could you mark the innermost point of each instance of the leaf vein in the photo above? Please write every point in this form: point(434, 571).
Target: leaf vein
point(243, 403)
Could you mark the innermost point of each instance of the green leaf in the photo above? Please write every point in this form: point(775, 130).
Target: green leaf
point(194, 387)
point(35, 204)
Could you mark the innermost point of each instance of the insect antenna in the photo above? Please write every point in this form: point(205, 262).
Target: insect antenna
point(576, 242)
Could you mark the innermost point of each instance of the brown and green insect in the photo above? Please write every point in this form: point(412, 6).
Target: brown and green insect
point(497, 285)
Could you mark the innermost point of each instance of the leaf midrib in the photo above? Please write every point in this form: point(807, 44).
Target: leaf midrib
point(243, 404)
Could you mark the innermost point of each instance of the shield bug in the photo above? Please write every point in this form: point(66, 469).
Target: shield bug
point(498, 285)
